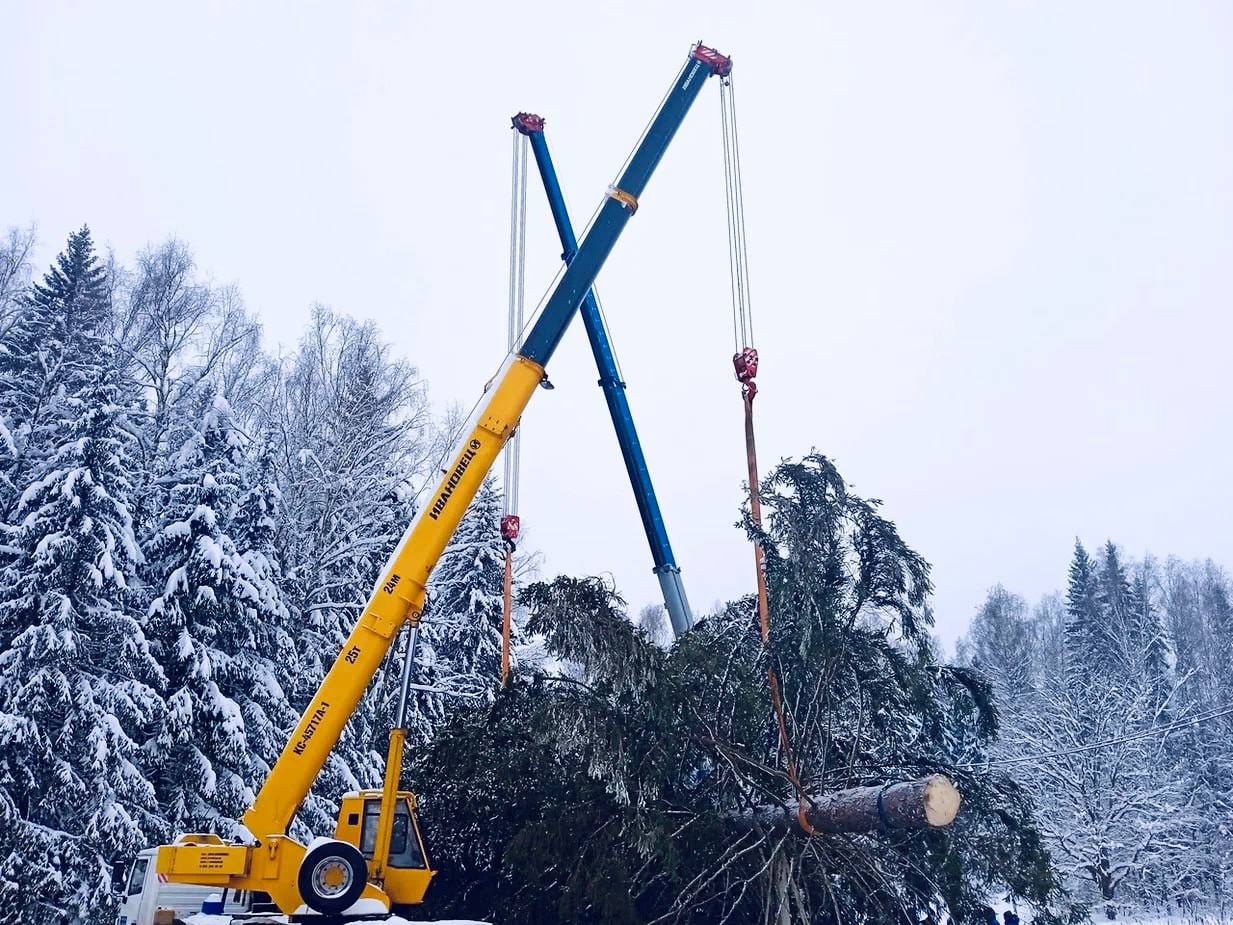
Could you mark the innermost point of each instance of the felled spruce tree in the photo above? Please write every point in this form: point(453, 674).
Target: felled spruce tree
point(637, 785)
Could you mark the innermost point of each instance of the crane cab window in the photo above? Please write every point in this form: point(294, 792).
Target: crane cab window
point(137, 876)
point(405, 848)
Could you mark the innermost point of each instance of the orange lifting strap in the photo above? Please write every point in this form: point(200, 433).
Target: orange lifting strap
point(746, 363)
point(509, 532)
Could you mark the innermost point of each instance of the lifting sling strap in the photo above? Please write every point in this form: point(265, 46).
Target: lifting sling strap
point(745, 363)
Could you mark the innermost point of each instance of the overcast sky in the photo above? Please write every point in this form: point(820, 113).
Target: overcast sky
point(991, 244)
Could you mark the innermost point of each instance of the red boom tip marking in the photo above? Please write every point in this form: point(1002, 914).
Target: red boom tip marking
point(528, 123)
point(719, 63)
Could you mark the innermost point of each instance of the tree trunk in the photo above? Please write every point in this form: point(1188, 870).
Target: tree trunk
point(1104, 881)
point(931, 802)
point(783, 870)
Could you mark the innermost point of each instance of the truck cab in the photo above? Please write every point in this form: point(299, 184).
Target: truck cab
point(143, 894)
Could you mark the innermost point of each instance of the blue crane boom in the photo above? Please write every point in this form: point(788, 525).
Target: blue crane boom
point(621, 203)
point(666, 569)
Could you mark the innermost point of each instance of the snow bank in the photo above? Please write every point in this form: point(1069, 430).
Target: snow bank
point(393, 920)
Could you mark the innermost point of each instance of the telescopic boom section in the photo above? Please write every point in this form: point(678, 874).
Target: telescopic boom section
point(666, 569)
point(621, 203)
point(399, 594)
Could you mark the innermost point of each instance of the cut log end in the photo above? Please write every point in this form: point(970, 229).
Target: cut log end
point(926, 803)
point(941, 801)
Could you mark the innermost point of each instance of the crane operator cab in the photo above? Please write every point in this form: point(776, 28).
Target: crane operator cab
point(406, 874)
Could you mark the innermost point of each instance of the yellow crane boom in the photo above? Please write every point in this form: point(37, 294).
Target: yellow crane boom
point(398, 598)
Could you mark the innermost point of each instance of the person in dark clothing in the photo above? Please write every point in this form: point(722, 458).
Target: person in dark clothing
point(989, 917)
point(1009, 918)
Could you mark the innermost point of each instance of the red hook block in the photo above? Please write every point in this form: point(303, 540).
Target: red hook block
point(746, 364)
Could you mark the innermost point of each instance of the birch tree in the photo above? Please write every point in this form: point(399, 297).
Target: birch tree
point(351, 429)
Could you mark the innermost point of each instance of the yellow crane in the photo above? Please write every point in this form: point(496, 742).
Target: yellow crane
point(376, 858)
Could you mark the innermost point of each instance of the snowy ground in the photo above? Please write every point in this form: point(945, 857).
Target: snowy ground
point(1097, 919)
point(1145, 918)
point(396, 920)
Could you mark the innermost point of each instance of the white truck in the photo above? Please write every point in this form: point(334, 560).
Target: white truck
point(143, 894)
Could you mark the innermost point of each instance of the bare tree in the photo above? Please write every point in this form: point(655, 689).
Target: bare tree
point(354, 434)
point(177, 330)
point(15, 272)
point(653, 619)
point(1001, 643)
point(246, 374)
point(1113, 812)
point(352, 430)
point(1196, 599)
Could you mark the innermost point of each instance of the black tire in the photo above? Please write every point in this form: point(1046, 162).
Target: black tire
point(332, 876)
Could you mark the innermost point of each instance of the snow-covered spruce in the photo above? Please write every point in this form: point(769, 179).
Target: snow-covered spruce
point(219, 629)
point(77, 680)
point(49, 351)
point(464, 625)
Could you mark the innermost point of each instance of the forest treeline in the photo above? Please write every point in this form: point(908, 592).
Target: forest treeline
point(189, 527)
point(1125, 683)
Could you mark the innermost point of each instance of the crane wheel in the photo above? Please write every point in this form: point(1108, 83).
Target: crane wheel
point(332, 877)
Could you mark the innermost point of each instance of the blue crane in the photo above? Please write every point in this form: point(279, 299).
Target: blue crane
point(666, 569)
